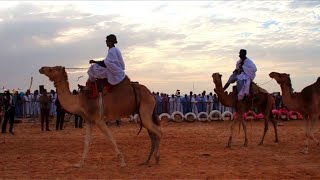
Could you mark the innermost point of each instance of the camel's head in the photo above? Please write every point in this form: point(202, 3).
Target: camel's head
point(216, 77)
point(55, 73)
point(280, 77)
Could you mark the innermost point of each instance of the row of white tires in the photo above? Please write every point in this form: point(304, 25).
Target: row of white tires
point(215, 115)
point(177, 116)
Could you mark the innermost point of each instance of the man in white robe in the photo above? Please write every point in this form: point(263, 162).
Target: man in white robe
point(112, 67)
point(244, 74)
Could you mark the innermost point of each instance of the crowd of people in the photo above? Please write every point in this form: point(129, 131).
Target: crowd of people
point(30, 105)
point(46, 104)
point(197, 103)
point(193, 102)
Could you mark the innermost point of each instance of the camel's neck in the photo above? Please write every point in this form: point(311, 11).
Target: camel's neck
point(288, 99)
point(223, 97)
point(68, 101)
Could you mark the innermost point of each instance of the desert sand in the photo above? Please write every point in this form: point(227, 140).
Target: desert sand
point(188, 151)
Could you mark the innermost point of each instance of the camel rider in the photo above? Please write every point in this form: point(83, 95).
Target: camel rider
point(111, 68)
point(244, 74)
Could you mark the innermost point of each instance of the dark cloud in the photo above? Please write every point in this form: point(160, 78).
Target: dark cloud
point(24, 25)
point(304, 4)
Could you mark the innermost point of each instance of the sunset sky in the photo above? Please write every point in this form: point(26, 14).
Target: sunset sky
point(166, 45)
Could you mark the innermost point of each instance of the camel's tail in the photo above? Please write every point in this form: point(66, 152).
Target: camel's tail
point(155, 117)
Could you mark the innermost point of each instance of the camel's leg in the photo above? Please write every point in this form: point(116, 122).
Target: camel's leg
point(305, 150)
point(87, 143)
point(105, 130)
point(266, 127)
point(312, 128)
point(244, 126)
point(153, 139)
point(275, 126)
point(146, 118)
point(156, 152)
point(235, 121)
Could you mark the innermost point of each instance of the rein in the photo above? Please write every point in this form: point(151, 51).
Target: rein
point(74, 68)
point(265, 82)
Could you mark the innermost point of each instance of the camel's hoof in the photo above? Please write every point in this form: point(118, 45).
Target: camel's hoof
point(144, 163)
point(123, 165)
point(228, 146)
point(304, 151)
point(157, 160)
point(77, 165)
point(276, 141)
point(260, 144)
point(245, 145)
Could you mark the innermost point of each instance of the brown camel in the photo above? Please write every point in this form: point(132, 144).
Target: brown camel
point(306, 102)
point(125, 99)
point(261, 99)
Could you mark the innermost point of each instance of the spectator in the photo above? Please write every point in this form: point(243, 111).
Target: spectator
point(36, 104)
point(165, 100)
point(177, 101)
point(159, 103)
point(189, 102)
point(185, 104)
point(194, 104)
point(60, 115)
point(199, 103)
point(26, 102)
point(53, 108)
point(9, 109)
point(45, 102)
point(278, 101)
point(209, 103)
point(215, 102)
point(78, 121)
point(18, 105)
point(171, 104)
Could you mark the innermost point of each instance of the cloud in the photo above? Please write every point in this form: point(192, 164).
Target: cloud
point(167, 45)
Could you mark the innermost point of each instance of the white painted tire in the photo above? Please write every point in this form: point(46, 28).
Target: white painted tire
point(164, 115)
point(223, 115)
point(190, 114)
point(294, 117)
point(177, 113)
point(206, 118)
point(213, 113)
point(250, 116)
point(136, 117)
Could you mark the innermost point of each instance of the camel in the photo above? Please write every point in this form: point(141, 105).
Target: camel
point(306, 102)
point(262, 100)
point(126, 98)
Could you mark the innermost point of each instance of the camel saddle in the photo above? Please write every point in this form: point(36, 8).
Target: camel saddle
point(92, 89)
point(254, 91)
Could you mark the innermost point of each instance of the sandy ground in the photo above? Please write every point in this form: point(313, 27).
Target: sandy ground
point(188, 151)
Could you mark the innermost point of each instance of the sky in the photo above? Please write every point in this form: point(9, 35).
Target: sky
point(166, 45)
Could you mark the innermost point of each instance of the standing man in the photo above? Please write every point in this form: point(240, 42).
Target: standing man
point(9, 110)
point(209, 103)
point(159, 103)
point(278, 101)
point(244, 74)
point(45, 103)
point(60, 115)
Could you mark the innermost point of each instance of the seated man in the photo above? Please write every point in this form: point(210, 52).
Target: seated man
point(111, 68)
point(244, 74)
